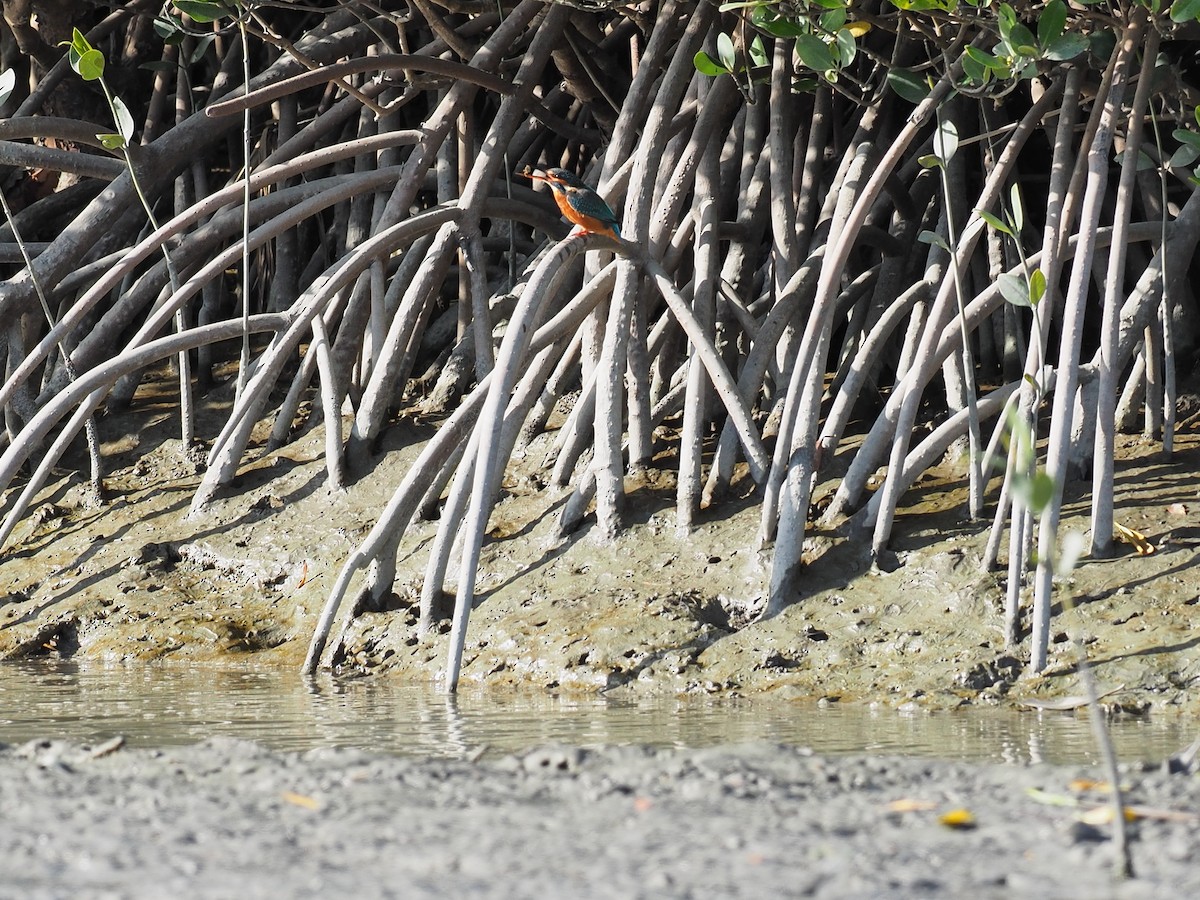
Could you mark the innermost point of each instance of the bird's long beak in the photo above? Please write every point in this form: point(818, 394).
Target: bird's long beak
point(535, 174)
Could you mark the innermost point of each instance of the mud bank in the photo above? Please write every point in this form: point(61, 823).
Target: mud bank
point(138, 578)
point(228, 818)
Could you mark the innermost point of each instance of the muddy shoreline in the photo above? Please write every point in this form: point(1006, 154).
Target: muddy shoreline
point(226, 817)
point(655, 610)
point(137, 580)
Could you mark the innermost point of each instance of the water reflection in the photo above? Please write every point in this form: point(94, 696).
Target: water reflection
point(160, 705)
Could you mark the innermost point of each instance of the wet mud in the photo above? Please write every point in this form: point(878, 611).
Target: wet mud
point(137, 578)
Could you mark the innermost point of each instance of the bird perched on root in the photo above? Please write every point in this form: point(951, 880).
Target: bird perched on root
point(581, 205)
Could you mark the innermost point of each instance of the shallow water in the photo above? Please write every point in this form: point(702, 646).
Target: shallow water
point(161, 705)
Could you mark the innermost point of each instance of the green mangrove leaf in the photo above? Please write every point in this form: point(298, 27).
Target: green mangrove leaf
point(772, 23)
point(995, 221)
point(1021, 39)
point(1185, 11)
point(945, 141)
point(78, 42)
point(1186, 137)
point(923, 5)
point(1037, 286)
point(169, 28)
point(725, 51)
point(986, 59)
point(976, 72)
point(123, 119)
point(201, 11)
point(834, 19)
point(1018, 208)
point(1052, 21)
point(706, 65)
point(1184, 157)
point(1065, 47)
point(1041, 492)
point(1014, 290)
point(847, 49)
point(1006, 17)
point(86, 60)
point(200, 48)
point(932, 237)
point(814, 53)
point(908, 85)
point(90, 65)
point(758, 52)
point(1102, 43)
point(1144, 161)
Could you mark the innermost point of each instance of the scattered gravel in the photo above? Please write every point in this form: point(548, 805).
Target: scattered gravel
point(227, 818)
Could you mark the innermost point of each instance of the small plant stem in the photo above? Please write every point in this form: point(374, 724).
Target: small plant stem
point(187, 414)
point(1122, 860)
point(1165, 314)
point(966, 359)
point(244, 363)
point(1051, 264)
point(924, 359)
point(93, 440)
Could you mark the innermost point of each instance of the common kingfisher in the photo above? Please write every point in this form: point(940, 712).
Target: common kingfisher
point(579, 203)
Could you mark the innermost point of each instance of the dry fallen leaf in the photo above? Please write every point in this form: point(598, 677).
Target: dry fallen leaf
point(1051, 799)
point(1088, 784)
point(958, 818)
point(907, 804)
point(1163, 815)
point(112, 745)
point(1103, 815)
point(1136, 538)
point(300, 800)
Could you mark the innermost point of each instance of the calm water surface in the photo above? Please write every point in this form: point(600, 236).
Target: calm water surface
point(161, 705)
